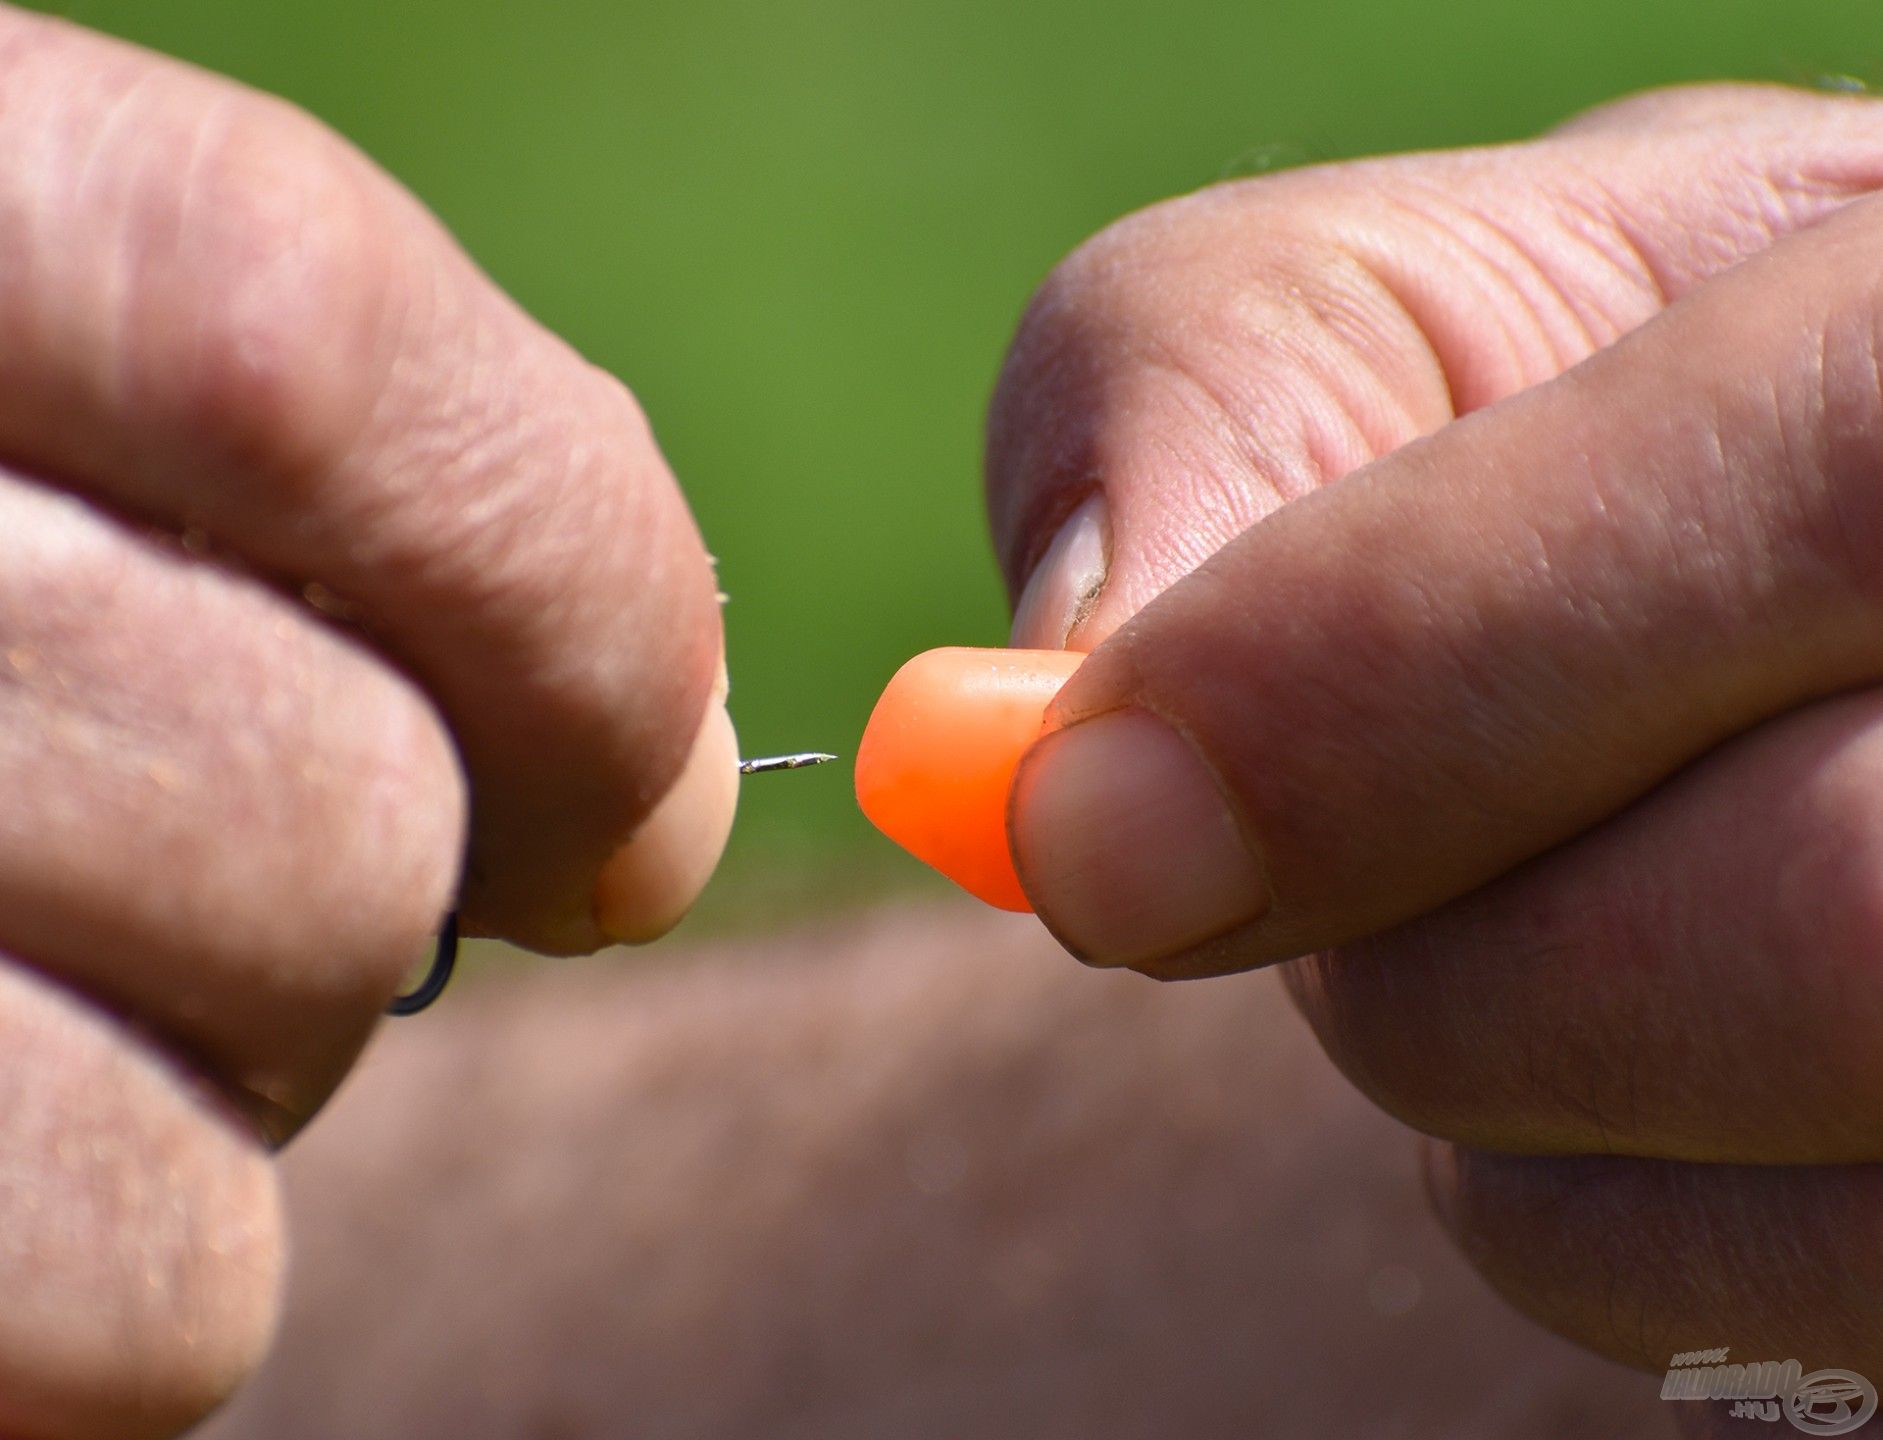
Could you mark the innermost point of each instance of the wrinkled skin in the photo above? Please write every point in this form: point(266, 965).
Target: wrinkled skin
point(338, 592)
point(1495, 533)
point(327, 584)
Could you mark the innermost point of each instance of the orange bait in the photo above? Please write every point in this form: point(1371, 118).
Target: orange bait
point(937, 759)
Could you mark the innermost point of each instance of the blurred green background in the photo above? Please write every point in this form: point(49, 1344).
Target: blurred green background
point(803, 231)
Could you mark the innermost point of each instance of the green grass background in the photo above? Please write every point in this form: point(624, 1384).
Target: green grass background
point(803, 231)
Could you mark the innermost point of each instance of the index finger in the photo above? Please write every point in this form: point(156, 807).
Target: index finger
point(221, 317)
point(1198, 365)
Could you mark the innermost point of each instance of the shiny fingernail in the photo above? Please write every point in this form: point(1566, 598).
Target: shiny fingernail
point(1066, 582)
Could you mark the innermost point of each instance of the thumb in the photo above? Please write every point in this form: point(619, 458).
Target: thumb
point(1403, 685)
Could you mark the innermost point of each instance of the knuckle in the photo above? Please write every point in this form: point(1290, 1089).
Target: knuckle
point(257, 319)
point(212, 261)
point(1705, 104)
point(145, 1251)
point(1829, 886)
point(180, 1376)
point(1226, 350)
point(1162, 270)
point(1151, 358)
point(1825, 414)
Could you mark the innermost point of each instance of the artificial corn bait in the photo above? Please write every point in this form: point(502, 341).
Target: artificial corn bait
point(937, 759)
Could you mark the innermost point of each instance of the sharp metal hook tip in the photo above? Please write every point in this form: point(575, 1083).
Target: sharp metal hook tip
point(798, 761)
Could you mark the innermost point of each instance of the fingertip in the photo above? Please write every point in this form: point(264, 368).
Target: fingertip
point(1127, 845)
point(649, 884)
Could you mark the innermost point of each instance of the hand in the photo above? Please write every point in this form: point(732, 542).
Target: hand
point(1548, 734)
point(241, 367)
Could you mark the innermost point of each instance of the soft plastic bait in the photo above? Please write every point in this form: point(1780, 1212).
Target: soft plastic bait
point(937, 759)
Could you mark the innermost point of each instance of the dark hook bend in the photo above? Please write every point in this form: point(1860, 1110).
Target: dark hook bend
point(444, 961)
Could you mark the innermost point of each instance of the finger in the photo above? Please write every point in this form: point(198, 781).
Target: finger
point(1694, 980)
point(1641, 1260)
point(1196, 366)
point(223, 818)
point(142, 1252)
point(1398, 688)
point(220, 316)
point(648, 886)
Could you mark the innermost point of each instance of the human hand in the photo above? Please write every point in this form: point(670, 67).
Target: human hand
point(1550, 735)
point(243, 370)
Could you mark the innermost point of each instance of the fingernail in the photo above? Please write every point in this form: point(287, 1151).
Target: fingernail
point(1067, 580)
point(1125, 843)
point(650, 883)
